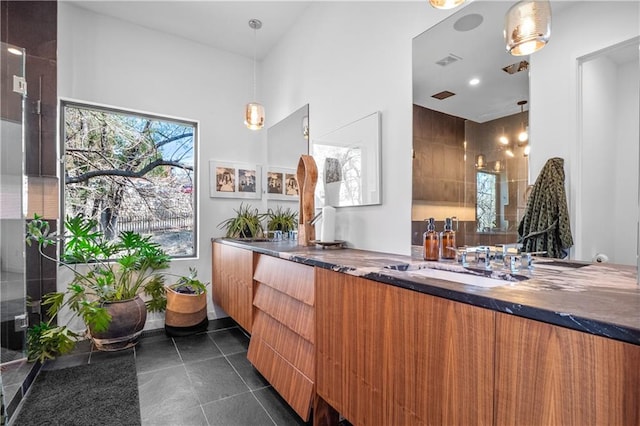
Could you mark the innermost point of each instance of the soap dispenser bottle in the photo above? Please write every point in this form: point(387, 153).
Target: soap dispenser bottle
point(431, 241)
point(448, 240)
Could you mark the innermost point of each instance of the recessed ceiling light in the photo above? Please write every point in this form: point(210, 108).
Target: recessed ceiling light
point(474, 82)
point(15, 51)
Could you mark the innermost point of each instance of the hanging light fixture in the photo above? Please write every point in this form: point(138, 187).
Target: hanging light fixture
point(445, 4)
point(503, 139)
point(254, 111)
point(523, 136)
point(527, 27)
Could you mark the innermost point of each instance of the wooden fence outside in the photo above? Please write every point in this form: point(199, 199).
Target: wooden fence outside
point(146, 224)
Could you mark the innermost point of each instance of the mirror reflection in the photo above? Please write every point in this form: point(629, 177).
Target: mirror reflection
point(287, 140)
point(470, 128)
point(348, 161)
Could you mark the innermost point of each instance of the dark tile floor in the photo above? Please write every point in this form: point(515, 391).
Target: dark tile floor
point(204, 379)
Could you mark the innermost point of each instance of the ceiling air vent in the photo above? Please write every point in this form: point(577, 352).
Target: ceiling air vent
point(443, 95)
point(517, 67)
point(448, 60)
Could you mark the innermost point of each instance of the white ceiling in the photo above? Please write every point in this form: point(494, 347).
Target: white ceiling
point(483, 55)
point(220, 24)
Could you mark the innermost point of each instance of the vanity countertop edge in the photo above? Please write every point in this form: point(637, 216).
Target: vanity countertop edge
point(600, 299)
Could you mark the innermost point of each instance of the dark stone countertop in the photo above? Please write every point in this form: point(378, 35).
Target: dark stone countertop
point(601, 299)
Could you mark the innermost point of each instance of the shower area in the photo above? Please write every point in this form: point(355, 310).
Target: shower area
point(12, 208)
point(13, 306)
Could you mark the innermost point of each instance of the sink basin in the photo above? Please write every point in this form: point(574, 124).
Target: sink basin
point(459, 277)
point(463, 275)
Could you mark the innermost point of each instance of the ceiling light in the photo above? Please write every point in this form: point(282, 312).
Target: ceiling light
point(15, 51)
point(509, 153)
point(254, 111)
point(445, 4)
point(503, 140)
point(527, 27)
point(523, 136)
point(527, 150)
point(474, 82)
point(480, 161)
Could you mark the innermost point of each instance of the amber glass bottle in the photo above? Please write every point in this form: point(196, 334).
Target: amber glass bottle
point(448, 240)
point(431, 242)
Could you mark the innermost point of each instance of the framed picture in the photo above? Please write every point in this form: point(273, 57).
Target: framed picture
point(281, 184)
point(234, 180)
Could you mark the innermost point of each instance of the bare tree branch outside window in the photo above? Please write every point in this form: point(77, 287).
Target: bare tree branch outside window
point(131, 172)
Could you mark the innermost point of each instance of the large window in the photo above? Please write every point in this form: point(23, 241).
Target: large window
point(131, 172)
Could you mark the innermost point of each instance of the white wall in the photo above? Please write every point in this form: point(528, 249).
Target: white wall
point(347, 60)
point(112, 62)
point(578, 30)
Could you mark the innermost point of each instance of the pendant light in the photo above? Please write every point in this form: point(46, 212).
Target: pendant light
point(445, 4)
point(527, 27)
point(523, 136)
point(254, 111)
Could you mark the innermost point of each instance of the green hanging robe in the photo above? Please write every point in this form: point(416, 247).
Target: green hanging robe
point(545, 224)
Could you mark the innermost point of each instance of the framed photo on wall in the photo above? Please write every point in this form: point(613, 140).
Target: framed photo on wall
point(234, 180)
point(281, 184)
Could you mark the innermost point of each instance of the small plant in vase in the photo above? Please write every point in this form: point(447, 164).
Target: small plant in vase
point(186, 311)
point(280, 219)
point(246, 224)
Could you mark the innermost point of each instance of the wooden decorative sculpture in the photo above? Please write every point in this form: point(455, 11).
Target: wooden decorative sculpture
point(307, 175)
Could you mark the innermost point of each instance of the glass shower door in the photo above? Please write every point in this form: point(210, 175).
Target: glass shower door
point(12, 217)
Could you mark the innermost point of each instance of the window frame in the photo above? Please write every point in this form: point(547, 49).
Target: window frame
point(67, 102)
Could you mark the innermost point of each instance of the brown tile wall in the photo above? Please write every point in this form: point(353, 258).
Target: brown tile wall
point(442, 176)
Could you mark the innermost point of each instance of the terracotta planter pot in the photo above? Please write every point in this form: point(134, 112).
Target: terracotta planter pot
point(185, 313)
point(127, 321)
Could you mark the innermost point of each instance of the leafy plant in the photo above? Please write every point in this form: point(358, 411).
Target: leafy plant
point(190, 284)
point(103, 271)
point(246, 224)
point(284, 220)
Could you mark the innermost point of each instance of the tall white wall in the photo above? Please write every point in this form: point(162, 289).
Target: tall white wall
point(578, 30)
point(625, 185)
point(347, 60)
point(598, 153)
point(112, 62)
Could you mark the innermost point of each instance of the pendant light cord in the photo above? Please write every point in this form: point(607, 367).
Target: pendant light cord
point(255, 41)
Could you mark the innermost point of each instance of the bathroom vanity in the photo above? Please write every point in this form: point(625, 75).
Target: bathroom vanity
point(379, 339)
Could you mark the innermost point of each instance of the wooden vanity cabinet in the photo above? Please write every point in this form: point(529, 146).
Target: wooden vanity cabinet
point(282, 346)
point(387, 355)
point(232, 282)
point(549, 375)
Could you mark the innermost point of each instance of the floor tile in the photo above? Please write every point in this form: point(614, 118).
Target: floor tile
point(182, 417)
point(196, 347)
point(247, 371)
point(164, 392)
point(230, 340)
point(156, 354)
point(214, 379)
point(278, 409)
point(239, 410)
point(99, 356)
point(202, 379)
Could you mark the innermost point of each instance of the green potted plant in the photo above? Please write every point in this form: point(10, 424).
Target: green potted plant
point(186, 311)
point(280, 219)
point(109, 276)
point(247, 223)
